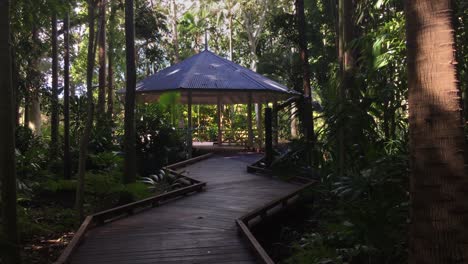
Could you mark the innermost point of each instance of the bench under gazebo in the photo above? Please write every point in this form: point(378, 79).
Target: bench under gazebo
point(207, 78)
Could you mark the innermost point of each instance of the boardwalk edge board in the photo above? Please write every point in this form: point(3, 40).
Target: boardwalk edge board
point(128, 209)
point(262, 212)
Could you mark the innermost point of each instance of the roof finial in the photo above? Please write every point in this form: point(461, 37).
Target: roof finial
point(206, 39)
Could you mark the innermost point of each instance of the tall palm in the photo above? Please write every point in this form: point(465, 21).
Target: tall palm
point(7, 142)
point(54, 119)
point(66, 96)
point(84, 141)
point(102, 62)
point(439, 178)
point(308, 121)
point(129, 122)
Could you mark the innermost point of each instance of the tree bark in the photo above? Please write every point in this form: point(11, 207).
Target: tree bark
point(54, 119)
point(231, 50)
point(101, 104)
point(308, 123)
point(439, 177)
point(66, 96)
point(110, 58)
point(32, 117)
point(129, 122)
point(90, 112)
point(343, 58)
point(10, 247)
point(175, 36)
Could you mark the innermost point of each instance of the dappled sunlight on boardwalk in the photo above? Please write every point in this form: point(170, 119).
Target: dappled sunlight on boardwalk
point(199, 228)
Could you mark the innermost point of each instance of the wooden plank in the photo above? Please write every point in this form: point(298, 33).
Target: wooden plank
point(274, 203)
point(74, 243)
point(258, 249)
point(127, 207)
point(189, 161)
point(185, 228)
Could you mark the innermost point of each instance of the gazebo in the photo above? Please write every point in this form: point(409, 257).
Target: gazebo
point(207, 78)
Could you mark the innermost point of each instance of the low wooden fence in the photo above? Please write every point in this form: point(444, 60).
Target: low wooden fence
point(248, 220)
point(106, 216)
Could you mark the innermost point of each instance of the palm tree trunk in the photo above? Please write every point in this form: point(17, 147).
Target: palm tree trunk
point(346, 60)
point(129, 122)
point(308, 122)
point(101, 104)
point(54, 120)
point(32, 117)
point(66, 97)
point(110, 59)
point(439, 177)
point(9, 244)
point(90, 112)
point(231, 50)
point(175, 36)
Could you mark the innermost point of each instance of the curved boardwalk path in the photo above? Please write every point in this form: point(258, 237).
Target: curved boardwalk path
point(198, 228)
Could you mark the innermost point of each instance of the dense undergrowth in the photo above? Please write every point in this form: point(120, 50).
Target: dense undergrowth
point(46, 201)
point(359, 217)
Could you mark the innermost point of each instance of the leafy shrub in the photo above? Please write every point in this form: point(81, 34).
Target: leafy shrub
point(158, 143)
point(106, 161)
point(363, 215)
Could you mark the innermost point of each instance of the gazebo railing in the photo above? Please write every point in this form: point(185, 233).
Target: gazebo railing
point(229, 136)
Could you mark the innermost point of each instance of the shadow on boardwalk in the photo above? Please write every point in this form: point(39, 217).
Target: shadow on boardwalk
point(198, 228)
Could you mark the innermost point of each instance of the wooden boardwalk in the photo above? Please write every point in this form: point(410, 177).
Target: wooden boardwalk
point(199, 228)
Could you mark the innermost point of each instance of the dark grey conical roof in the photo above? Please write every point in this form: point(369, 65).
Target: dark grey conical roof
point(209, 78)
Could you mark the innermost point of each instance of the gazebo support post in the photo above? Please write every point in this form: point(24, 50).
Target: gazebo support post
point(220, 132)
point(249, 123)
point(189, 122)
point(268, 136)
point(275, 123)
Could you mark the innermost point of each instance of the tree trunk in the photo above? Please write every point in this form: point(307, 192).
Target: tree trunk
point(10, 247)
point(32, 117)
point(175, 36)
point(343, 35)
point(308, 122)
point(90, 111)
point(439, 178)
point(129, 122)
point(101, 104)
point(231, 50)
point(54, 119)
point(110, 58)
point(66, 97)
point(33, 112)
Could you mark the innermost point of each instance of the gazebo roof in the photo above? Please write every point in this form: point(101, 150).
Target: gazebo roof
point(208, 78)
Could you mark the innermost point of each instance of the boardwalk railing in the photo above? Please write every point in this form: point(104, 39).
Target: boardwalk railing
point(128, 209)
point(244, 223)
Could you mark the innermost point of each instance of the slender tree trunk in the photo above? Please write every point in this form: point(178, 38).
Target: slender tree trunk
point(9, 244)
point(101, 104)
point(110, 84)
point(129, 122)
point(342, 86)
point(231, 50)
point(32, 117)
point(15, 82)
point(175, 36)
point(66, 96)
point(54, 119)
point(110, 59)
point(439, 177)
point(90, 112)
point(308, 122)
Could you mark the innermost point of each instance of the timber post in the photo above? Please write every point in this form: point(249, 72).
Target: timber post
point(268, 136)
